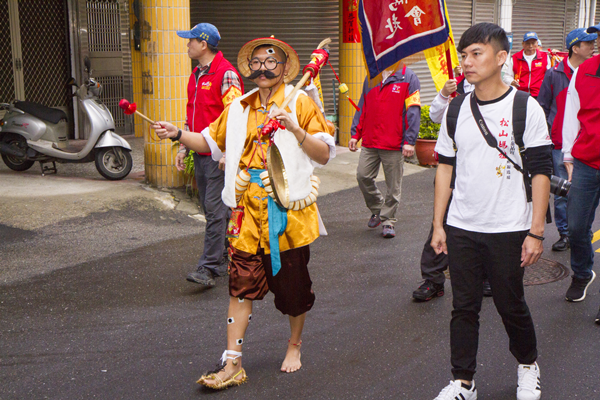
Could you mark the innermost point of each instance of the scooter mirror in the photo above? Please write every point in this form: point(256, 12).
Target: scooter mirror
point(88, 64)
point(72, 82)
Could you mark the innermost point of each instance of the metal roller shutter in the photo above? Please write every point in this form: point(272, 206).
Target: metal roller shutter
point(460, 12)
point(486, 11)
point(571, 18)
point(546, 17)
point(300, 24)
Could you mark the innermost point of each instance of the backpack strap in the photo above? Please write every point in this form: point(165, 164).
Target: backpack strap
point(451, 120)
point(519, 121)
point(519, 118)
point(452, 116)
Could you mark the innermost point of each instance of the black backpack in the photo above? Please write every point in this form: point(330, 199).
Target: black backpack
point(519, 117)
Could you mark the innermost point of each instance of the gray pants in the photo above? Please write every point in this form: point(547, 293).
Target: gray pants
point(368, 169)
point(210, 180)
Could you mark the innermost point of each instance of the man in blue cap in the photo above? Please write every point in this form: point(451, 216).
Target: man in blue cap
point(529, 66)
point(213, 85)
point(552, 96)
point(582, 162)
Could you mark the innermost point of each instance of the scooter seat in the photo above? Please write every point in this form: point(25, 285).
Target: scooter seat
point(40, 111)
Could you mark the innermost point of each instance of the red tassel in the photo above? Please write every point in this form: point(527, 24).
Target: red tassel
point(354, 104)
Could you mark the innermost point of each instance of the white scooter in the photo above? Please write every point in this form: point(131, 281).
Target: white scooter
point(31, 132)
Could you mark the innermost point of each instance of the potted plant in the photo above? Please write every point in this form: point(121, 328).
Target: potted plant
point(428, 134)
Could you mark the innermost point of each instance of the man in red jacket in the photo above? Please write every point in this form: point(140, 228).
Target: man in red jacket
point(581, 141)
point(552, 99)
point(529, 66)
point(388, 123)
point(213, 85)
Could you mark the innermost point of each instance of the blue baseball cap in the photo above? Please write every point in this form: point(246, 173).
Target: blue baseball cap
point(203, 31)
point(530, 35)
point(593, 29)
point(579, 35)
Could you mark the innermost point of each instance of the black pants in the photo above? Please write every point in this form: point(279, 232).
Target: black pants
point(433, 265)
point(471, 254)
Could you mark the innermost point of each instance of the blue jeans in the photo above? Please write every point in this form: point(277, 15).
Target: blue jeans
point(581, 210)
point(560, 202)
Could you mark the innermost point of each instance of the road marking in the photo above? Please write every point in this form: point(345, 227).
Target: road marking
point(595, 238)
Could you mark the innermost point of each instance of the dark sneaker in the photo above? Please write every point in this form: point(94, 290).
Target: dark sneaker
point(388, 231)
point(578, 288)
point(202, 276)
point(487, 289)
point(428, 290)
point(374, 222)
point(598, 317)
point(562, 244)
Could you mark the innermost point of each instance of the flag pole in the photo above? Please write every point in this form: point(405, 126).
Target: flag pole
point(449, 63)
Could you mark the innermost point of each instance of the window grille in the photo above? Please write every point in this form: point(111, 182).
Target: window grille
point(7, 83)
point(46, 65)
point(104, 25)
point(112, 93)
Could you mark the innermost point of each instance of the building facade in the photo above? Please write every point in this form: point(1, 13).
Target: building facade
point(137, 55)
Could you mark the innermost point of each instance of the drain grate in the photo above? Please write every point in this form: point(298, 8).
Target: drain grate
point(544, 271)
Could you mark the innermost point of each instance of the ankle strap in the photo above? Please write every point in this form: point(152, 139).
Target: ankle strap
point(227, 353)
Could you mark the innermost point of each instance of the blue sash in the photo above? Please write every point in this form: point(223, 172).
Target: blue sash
point(277, 222)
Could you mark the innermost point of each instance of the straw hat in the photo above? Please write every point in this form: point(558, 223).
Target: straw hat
point(247, 49)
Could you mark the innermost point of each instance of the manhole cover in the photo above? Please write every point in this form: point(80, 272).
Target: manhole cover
point(542, 272)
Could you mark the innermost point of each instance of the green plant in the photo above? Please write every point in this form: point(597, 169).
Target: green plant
point(188, 161)
point(428, 129)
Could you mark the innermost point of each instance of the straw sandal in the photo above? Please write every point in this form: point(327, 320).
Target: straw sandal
point(219, 383)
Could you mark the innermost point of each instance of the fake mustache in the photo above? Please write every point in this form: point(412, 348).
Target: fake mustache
point(268, 74)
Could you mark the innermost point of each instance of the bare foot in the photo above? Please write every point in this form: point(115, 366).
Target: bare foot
point(230, 370)
point(292, 363)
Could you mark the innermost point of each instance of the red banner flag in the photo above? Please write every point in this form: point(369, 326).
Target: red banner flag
point(395, 29)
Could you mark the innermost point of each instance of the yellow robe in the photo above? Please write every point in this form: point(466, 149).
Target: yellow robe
point(303, 225)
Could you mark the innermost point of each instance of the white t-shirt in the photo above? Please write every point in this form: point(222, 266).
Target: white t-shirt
point(529, 59)
point(489, 194)
point(439, 104)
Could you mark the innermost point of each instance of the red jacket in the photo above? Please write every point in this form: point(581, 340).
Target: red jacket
point(587, 83)
point(387, 119)
point(530, 81)
point(205, 100)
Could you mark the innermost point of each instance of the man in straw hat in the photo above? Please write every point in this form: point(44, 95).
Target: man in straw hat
point(270, 245)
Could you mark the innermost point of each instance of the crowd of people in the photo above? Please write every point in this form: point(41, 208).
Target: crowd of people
point(509, 126)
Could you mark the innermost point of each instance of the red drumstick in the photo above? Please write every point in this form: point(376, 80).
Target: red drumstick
point(131, 108)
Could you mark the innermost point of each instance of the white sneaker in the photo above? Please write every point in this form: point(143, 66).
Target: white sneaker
point(455, 391)
point(528, 387)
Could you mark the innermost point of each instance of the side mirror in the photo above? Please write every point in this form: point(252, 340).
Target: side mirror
point(72, 82)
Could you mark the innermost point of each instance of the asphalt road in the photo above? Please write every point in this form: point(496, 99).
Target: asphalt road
point(128, 325)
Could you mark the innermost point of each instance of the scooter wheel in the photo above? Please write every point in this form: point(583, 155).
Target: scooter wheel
point(113, 163)
point(12, 162)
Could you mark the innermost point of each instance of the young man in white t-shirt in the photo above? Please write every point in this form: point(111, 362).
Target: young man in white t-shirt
point(492, 228)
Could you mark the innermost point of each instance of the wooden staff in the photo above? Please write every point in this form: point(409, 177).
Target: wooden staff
point(304, 78)
point(142, 116)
